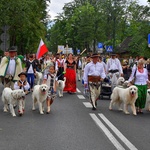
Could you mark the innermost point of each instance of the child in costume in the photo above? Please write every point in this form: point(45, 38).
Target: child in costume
point(50, 81)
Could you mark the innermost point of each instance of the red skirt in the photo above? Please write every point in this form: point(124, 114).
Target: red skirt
point(70, 84)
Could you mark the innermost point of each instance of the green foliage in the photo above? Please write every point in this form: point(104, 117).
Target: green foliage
point(27, 20)
point(85, 23)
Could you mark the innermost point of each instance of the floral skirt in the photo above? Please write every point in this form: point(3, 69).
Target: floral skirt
point(70, 84)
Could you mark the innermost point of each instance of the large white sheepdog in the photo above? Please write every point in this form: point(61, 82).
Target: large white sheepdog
point(126, 96)
point(148, 100)
point(61, 85)
point(39, 95)
point(38, 77)
point(13, 97)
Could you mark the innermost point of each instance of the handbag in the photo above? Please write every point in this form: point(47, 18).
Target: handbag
point(134, 77)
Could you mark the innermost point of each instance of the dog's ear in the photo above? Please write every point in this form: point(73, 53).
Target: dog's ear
point(14, 94)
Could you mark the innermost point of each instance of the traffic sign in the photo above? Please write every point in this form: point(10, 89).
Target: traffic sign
point(78, 51)
point(100, 45)
point(4, 46)
point(4, 36)
point(148, 40)
point(109, 48)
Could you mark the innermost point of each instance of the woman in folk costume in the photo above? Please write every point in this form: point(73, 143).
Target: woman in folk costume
point(10, 67)
point(60, 67)
point(141, 80)
point(70, 69)
point(50, 81)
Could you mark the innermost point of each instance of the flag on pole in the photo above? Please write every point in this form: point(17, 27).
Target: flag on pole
point(42, 49)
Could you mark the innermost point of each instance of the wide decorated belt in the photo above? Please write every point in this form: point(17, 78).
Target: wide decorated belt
point(94, 78)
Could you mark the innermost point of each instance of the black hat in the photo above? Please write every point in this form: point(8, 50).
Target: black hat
point(22, 73)
point(94, 55)
point(13, 49)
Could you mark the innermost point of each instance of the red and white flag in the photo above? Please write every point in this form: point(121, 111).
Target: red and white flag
point(42, 49)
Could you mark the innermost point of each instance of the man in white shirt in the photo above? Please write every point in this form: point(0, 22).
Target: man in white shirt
point(93, 75)
point(79, 68)
point(10, 67)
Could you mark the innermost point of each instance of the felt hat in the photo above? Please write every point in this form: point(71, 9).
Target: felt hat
point(13, 49)
point(22, 73)
point(94, 55)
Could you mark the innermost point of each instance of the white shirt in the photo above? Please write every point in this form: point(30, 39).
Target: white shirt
point(11, 67)
point(114, 64)
point(30, 70)
point(140, 78)
point(61, 62)
point(93, 70)
point(26, 87)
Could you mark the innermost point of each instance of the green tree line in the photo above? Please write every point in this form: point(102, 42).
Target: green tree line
point(84, 23)
point(27, 21)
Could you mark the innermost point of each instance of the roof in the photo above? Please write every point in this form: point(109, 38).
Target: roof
point(124, 46)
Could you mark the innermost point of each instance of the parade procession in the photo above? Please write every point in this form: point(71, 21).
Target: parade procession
point(74, 75)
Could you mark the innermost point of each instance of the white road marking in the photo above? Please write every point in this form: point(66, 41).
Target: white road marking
point(81, 97)
point(118, 133)
point(107, 132)
point(87, 104)
point(78, 90)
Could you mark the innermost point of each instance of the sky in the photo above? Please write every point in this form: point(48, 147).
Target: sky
point(57, 5)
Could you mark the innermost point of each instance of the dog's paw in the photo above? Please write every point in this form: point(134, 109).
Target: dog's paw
point(33, 108)
point(5, 110)
point(127, 113)
point(134, 114)
point(14, 115)
point(120, 109)
point(42, 113)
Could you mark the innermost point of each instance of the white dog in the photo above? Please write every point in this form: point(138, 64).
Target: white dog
point(126, 96)
point(12, 97)
point(148, 100)
point(61, 85)
point(120, 81)
point(38, 77)
point(39, 95)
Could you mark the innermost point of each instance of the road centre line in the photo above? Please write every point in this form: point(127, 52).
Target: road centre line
point(78, 90)
point(81, 97)
point(87, 104)
point(118, 133)
point(107, 132)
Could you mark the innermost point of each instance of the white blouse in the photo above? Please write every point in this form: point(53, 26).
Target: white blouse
point(140, 78)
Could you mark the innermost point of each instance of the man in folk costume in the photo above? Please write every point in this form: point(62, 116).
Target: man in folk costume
point(10, 67)
point(93, 75)
point(79, 68)
point(113, 65)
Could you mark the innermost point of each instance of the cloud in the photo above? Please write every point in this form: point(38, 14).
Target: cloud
point(56, 7)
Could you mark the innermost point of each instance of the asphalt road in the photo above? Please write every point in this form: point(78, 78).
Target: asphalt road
point(72, 125)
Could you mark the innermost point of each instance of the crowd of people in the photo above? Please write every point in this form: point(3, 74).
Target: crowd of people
point(91, 70)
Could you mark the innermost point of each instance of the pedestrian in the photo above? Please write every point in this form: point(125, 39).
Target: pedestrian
point(24, 85)
point(10, 67)
point(94, 73)
point(70, 74)
point(50, 81)
point(113, 65)
point(30, 69)
point(140, 74)
point(59, 66)
point(79, 68)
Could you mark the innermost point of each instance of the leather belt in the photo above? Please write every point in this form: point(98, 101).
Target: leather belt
point(114, 71)
point(94, 78)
